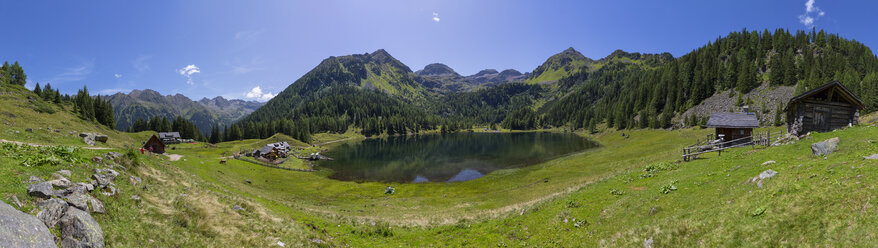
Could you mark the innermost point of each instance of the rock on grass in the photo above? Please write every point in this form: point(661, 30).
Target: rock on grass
point(18, 229)
point(79, 229)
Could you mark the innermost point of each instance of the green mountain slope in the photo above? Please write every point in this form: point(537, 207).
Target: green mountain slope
point(626, 96)
point(622, 90)
point(558, 66)
point(205, 113)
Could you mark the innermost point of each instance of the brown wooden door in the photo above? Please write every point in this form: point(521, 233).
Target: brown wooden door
point(821, 119)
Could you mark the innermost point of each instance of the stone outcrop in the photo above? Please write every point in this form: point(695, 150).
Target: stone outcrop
point(91, 138)
point(51, 211)
point(18, 229)
point(79, 229)
point(41, 190)
point(825, 147)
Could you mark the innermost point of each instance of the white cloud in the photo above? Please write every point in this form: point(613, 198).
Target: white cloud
point(249, 35)
point(117, 75)
point(435, 17)
point(188, 71)
point(113, 91)
point(75, 73)
point(806, 20)
point(140, 64)
point(812, 13)
point(256, 93)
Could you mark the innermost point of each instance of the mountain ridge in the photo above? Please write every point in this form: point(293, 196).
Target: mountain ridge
point(205, 113)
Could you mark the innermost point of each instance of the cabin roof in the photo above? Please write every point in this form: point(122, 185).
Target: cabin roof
point(733, 120)
point(266, 149)
point(171, 135)
point(155, 139)
point(843, 90)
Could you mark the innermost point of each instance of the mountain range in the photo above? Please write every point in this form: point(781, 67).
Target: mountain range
point(381, 95)
point(204, 113)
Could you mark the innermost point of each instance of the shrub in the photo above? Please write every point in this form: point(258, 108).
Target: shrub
point(660, 166)
point(668, 188)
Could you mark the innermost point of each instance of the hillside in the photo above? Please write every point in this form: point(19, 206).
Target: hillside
point(558, 66)
point(624, 90)
point(629, 192)
point(205, 113)
point(628, 96)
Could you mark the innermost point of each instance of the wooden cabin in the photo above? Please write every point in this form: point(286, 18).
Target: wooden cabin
point(155, 143)
point(273, 151)
point(734, 126)
point(170, 137)
point(823, 109)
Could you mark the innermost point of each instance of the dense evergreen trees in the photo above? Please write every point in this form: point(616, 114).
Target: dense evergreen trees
point(12, 74)
point(633, 96)
point(186, 128)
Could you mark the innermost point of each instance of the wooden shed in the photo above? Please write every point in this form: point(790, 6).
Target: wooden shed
point(155, 143)
point(823, 109)
point(734, 126)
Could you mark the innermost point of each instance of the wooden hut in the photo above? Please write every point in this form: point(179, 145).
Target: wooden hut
point(823, 109)
point(170, 137)
point(155, 143)
point(734, 126)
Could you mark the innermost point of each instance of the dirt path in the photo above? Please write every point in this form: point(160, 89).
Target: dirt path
point(174, 157)
point(39, 145)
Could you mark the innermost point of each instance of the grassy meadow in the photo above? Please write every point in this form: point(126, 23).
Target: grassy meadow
point(624, 193)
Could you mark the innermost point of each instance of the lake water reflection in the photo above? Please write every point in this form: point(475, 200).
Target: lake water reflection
point(447, 158)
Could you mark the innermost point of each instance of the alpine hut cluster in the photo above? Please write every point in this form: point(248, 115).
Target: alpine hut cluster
point(273, 151)
point(823, 109)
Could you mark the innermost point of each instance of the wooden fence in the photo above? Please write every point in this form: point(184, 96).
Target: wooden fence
point(711, 145)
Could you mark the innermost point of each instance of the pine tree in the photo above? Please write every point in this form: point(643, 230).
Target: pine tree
point(17, 75)
point(37, 90)
point(778, 115)
point(5, 73)
point(48, 93)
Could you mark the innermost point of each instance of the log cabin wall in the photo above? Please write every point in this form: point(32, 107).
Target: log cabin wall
point(823, 111)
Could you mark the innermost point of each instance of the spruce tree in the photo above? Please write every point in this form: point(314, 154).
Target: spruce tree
point(37, 90)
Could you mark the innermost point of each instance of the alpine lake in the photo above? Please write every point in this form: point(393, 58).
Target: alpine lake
point(447, 157)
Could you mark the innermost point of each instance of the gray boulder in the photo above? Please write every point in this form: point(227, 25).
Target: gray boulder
point(33, 179)
point(109, 190)
point(78, 200)
point(41, 190)
point(61, 183)
point(113, 155)
point(18, 229)
point(96, 205)
point(51, 211)
point(762, 176)
point(825, 147)
point(64, 172)
point(79, 229)
point(90, 140)
point(81, 188)
point(874, 156)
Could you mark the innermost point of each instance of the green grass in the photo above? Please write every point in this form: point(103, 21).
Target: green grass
point(621, 194)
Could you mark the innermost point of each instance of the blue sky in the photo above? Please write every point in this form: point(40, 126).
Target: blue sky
point(228, 48)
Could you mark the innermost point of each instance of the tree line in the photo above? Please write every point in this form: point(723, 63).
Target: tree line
point(640, 97)
point(186, 128)
point(84, 105)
